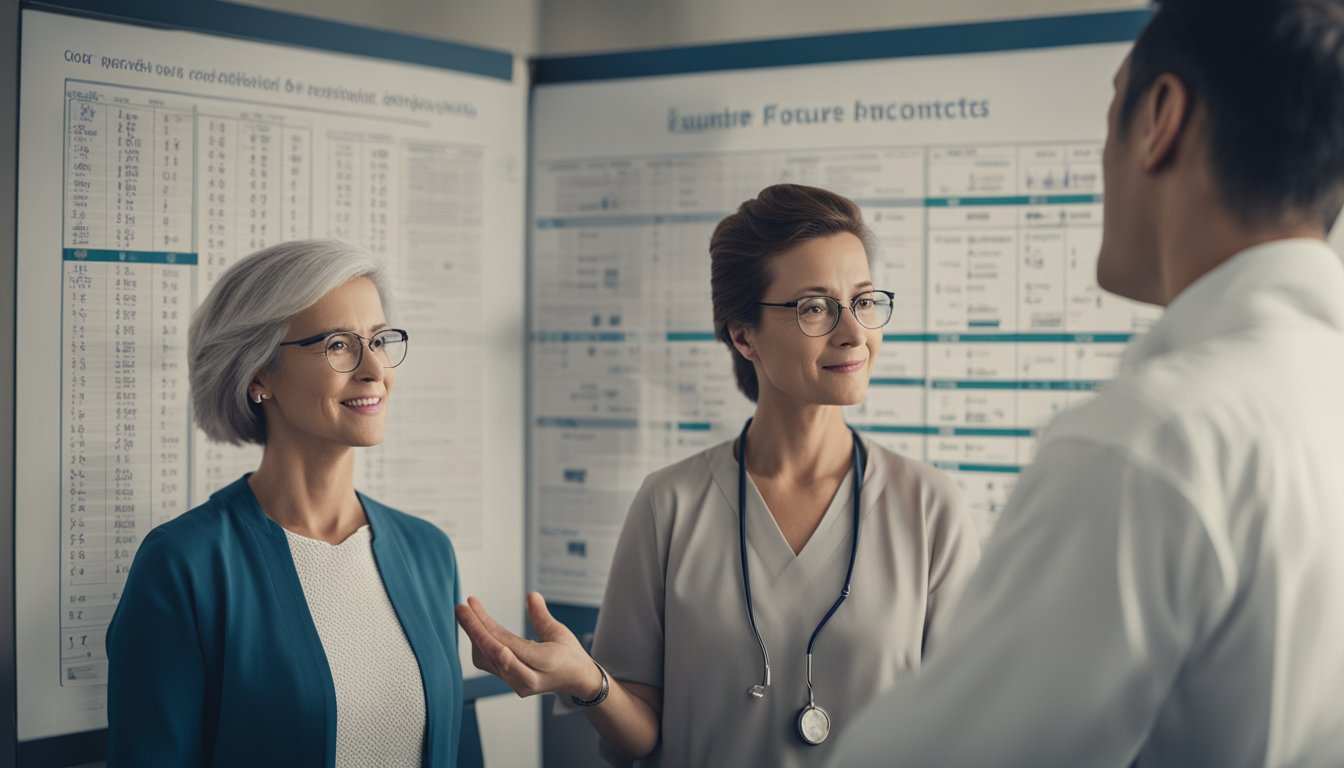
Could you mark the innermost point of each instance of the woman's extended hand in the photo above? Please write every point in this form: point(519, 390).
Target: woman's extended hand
point(557, 664)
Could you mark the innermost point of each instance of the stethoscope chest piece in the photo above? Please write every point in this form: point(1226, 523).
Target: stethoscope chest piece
point(814, 725)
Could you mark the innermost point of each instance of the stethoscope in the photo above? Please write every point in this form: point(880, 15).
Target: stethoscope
point(814, 725)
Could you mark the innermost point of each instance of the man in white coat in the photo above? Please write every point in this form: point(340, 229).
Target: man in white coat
point(1166, 587)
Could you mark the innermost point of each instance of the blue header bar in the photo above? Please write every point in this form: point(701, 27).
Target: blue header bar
point(248, 23)
point(1014, 35)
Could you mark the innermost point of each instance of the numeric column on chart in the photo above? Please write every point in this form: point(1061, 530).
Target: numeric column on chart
point(86, 349)
point(86, 170)
point(343, 186)
point(129, 405)
point(435, 418)
point(376, 207)
point(174, 139)
point(1056, 275)
point(170, 275)
point(170, 312)
point(260, 157)
point(141, 159)
point(130, 158)
point(243, 159)
point(217, 192)
point(378, 196)
point(366, 165)
point(973, 253)
point(296, 182)
point(894, 412)
point(974, 249)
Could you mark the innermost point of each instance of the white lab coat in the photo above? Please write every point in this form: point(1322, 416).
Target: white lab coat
point(1166, 587)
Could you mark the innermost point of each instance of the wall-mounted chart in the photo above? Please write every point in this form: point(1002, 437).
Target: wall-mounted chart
point(154, 159)
point(979, 171)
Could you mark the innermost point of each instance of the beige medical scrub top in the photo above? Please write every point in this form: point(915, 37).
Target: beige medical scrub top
point(674, 616)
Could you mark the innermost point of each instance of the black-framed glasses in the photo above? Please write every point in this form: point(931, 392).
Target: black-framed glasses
point(818, 315)
point(344, 350)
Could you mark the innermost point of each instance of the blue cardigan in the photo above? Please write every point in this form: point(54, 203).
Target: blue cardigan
point(214, 658)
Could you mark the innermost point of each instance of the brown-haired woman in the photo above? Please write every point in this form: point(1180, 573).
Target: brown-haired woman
point(728, 639)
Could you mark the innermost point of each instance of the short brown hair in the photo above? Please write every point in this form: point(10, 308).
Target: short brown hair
point(743, 245)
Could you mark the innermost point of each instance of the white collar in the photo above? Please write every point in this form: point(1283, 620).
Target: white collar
point(1300, 278)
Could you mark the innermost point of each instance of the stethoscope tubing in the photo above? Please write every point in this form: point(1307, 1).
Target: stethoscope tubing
point(858, 460)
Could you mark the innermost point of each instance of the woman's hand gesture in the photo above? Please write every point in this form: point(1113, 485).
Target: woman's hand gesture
point(556, 664)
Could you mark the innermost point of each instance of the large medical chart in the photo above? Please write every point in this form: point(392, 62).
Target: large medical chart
point(979, 172)
point(151, 161)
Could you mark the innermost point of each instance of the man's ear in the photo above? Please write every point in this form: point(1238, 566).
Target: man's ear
point(742, 340)
point(1166, 121)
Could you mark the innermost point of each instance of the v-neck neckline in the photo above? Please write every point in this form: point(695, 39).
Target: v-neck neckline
point(764, 536)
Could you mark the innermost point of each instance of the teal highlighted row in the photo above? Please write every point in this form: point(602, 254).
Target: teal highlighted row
point(586, 423)
point(1005, 469)
point(917, 338)
point(694, 426)
point(890, 202)
point(887, 381)
point(579, 336)
point(632, 220)
point(607, 219)
point(910, 429)
point(896, 429)
point(1056, 385)
point(1012, 338)
point(128, 257)
point(985, 431)
point(952, 202)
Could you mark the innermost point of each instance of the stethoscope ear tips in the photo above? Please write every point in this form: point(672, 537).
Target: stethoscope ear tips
point(757, 691)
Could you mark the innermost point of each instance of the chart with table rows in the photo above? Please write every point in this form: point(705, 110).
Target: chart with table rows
point(162, 193)
point(998, 324)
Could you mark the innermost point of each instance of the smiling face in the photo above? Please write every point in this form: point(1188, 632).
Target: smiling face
point(826, 370)
point(312, 406)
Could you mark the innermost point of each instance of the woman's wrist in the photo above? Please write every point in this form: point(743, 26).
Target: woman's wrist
point(590, 684)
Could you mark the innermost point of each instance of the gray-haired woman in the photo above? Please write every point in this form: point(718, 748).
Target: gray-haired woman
point(289, 619)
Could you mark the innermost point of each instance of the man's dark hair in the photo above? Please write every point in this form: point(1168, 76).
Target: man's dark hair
point(1270, 76)
point(744, 243)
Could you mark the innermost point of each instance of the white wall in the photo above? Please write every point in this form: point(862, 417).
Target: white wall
point(587, 26)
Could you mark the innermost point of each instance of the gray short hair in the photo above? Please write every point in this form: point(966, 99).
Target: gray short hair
point(236, 331)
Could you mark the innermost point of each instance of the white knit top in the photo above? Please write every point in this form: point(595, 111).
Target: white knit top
point(380, 698)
